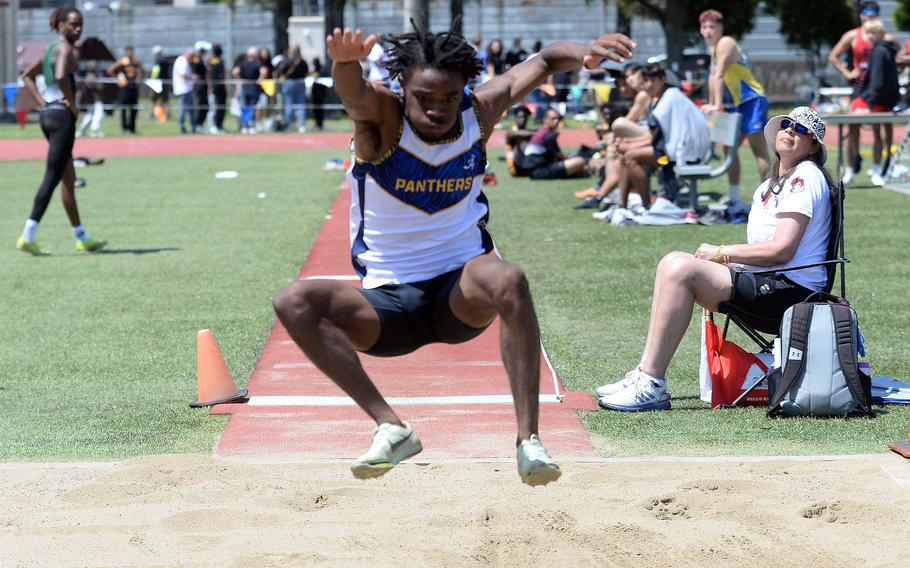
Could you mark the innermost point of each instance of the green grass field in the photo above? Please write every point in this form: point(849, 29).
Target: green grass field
point(97, 354)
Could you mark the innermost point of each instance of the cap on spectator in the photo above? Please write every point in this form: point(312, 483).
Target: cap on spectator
point(804, 116)
point(157, 49)
point(201, 46)
point(869, 8)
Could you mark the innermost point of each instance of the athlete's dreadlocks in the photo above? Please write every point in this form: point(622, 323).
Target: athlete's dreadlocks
point(422, 48)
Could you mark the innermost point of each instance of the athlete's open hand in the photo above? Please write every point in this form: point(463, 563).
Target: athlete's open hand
point(349, 46)
point(615, 47)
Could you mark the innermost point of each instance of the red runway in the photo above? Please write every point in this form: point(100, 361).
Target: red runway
point(449, 428)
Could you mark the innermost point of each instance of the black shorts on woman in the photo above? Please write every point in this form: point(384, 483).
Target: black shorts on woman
point(416, 314)
point(766, 295)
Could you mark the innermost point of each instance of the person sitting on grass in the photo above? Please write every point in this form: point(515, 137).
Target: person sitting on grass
point(789, 225)
point(516, 139)
point(544, 159)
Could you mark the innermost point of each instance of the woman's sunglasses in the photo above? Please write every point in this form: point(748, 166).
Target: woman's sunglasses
point(799, 128)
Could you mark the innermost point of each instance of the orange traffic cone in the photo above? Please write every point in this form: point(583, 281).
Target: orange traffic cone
point(903, 448)
point(215, 383)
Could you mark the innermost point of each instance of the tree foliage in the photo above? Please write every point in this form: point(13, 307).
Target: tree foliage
point(813, 30)
point(679, 18)
point(901, 15)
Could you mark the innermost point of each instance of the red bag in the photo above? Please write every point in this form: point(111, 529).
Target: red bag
point(731, 369)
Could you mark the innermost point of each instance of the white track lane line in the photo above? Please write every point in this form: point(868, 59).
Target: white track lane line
point(397, 401)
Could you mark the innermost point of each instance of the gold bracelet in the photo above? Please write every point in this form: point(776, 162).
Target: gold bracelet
point(721, 257)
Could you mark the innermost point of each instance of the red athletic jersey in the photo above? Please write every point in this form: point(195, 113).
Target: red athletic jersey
point(862, 49)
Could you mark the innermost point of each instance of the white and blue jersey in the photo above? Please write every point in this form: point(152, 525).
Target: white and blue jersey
point(419, 211)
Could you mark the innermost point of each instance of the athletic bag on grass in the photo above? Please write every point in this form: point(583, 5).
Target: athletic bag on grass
point(819, 375)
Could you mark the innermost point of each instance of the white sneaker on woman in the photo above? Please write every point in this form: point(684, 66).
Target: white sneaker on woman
point(645, 393)
point(612, 388)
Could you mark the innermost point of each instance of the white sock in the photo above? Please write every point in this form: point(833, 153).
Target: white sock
point(80, 233)
point(28, 232)
point(734, 192)
point(876, 169)
point(658, 381)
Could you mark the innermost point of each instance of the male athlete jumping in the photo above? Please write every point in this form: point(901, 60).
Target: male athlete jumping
point(418, 230)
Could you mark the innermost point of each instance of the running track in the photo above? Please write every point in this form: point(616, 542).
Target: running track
point(136, 146)
point(36, 149)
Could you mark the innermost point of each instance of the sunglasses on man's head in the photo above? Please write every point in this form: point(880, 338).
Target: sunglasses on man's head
point(799, 128)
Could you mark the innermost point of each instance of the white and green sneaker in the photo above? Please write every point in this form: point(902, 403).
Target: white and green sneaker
point(391, 445)
point(535, 466)
point(91, 245)
point(30, 247)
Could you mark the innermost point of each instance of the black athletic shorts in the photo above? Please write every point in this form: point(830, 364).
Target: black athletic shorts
point(767, 296)
point(416, 314)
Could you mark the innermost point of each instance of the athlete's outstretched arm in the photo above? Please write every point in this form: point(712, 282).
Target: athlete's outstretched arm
point(501, 92)
point(360, 99)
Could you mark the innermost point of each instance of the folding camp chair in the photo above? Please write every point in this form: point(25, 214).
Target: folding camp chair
point(754, 325)
point(724, 130)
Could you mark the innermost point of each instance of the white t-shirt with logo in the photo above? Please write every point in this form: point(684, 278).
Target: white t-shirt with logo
point(805, 192)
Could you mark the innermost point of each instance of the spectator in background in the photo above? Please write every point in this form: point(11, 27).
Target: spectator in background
point(543, 95)
point(678, 132)
point(854, 42)
point(319, 92)
point(182, 85)
point(248, 71)
point(517, 139)
point(90, 98)
point(293, 72)
point(880, 91)
point(376, 71)
point(266, 100)
point(200, 84)
point(544, 159)
point(481, 52)
point(515, 55)
point(631, 125)
point(160, 71)
point(129, 73)
point(731, 71)
point(496, 63)
point(216, 81)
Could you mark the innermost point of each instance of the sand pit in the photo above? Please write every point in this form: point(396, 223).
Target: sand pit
point(202, 510)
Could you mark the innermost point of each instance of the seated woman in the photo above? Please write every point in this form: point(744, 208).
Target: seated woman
point(789, 225)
